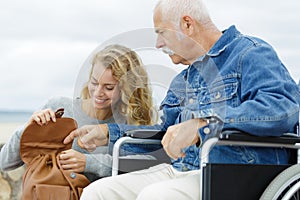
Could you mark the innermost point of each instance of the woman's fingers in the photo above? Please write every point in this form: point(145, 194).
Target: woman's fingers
point(43, 117)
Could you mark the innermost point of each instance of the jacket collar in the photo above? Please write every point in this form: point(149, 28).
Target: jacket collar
point(228, 36)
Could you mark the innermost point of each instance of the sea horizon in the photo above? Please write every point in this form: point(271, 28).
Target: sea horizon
point(14, 116)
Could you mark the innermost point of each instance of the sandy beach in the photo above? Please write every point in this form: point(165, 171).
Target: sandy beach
point(10, 181)
point(7, 129)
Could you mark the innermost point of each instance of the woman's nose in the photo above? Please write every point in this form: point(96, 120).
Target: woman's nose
point(99, 90)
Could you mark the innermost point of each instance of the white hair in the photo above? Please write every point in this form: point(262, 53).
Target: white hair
point(173, 10)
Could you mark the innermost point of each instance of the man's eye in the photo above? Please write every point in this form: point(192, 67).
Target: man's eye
point(159, 32)
point(110, 87)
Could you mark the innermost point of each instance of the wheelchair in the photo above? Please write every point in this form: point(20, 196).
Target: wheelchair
point(227, 181)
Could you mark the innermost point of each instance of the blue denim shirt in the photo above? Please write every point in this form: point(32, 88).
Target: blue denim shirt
point(242, 80)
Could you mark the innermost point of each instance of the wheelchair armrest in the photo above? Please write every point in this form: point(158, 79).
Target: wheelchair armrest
point(139, 136)
point(236, 138)
point(287, 138)
point(146, 134)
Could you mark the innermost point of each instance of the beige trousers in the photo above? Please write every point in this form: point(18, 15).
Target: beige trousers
point(159, 182)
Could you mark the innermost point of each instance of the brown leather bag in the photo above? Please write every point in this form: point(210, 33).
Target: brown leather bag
point(44, 179)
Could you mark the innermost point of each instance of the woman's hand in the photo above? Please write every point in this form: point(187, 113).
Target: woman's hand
point(89, 136)
point(72, 160)
point(43, 117)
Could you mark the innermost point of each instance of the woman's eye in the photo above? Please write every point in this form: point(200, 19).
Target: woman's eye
point(109, 87)
point(94, 83)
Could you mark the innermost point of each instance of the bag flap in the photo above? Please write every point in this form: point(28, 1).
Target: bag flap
point(40, 140)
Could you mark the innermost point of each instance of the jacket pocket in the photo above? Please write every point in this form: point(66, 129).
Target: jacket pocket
point(224, 89)
point(173, 99)
point(171, 106)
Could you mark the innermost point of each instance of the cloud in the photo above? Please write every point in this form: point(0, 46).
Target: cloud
point(276, 23)
point(43, 44)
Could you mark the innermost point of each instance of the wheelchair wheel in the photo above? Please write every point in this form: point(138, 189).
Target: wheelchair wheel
point(286, 186)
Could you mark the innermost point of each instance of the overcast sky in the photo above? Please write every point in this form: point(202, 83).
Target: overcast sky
point(44, 44)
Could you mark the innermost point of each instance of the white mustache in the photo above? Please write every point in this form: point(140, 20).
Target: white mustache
point(168, 51)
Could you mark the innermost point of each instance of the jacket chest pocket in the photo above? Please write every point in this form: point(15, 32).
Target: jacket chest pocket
point(219, 93)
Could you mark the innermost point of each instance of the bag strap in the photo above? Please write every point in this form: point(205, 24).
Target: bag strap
point(67, 177)
point(59, 112)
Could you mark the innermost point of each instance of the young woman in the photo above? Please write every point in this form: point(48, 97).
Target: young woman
point(117, 92)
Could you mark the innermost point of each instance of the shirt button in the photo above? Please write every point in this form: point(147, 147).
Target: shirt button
point(191, 101)
point(206, 130)
point(218, 95)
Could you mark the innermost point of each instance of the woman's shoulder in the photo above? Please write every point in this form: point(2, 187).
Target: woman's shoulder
point(57, 102)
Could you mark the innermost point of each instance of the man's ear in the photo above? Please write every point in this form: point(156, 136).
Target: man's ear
point(187, 25)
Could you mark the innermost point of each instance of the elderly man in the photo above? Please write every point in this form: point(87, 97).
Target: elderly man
point(230, 75)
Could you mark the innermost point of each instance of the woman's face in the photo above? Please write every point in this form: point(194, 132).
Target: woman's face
point(103, 87)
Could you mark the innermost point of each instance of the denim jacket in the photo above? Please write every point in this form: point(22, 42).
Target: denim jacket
point(241, 80)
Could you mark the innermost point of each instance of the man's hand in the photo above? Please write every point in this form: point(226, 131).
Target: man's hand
point(180, 136)
point(89, 136)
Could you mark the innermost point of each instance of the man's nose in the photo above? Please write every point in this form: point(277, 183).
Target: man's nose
point(159, 42)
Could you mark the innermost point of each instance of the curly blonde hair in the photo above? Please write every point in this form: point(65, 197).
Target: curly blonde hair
point(135, 103)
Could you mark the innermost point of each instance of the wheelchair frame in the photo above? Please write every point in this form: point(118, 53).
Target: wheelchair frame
point(290, 141)
point(291, 175)
point(140, 136)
